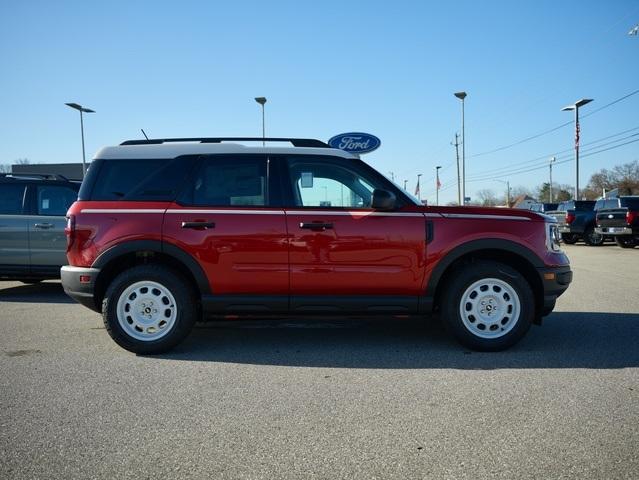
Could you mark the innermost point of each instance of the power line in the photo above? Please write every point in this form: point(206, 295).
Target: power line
point(554, 129)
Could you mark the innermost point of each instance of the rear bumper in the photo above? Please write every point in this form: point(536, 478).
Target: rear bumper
point(79, 284)
point(614, 230)
point(568, 229)
point(555, 281)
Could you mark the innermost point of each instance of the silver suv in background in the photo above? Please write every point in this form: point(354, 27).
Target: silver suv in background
point(32, 220)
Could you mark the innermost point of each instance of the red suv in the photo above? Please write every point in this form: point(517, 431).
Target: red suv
point(165, 232)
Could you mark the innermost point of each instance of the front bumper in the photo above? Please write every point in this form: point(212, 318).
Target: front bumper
point(614, 230)
point(555, 281)
point(79, 284)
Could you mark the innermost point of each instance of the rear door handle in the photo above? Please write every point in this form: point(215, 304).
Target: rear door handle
point(198, 225)
point(43, 226)
point(316, 225)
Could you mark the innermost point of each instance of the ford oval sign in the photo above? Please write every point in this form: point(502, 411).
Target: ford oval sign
point(355, 142)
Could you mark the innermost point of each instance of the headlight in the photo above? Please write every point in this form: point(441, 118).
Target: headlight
point(553, 237)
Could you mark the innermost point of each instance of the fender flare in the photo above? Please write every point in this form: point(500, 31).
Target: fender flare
point(160, 247)
point(476, 246)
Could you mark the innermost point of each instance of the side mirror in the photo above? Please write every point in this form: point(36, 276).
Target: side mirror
point(383, 200)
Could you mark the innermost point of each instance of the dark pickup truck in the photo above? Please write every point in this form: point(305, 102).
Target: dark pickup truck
point(620, 218)
point(577, 219)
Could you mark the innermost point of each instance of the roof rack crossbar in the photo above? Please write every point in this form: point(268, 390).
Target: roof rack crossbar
point(296, 142)
point(43, 176)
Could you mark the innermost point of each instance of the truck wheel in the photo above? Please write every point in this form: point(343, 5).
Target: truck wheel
point(569, 238)
point(488, 306)
point(593, 238)
point(149, 309)
point(626, 242)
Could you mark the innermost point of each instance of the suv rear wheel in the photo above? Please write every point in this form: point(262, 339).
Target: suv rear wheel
point(569, 238)
point(488, 306)
point(149, 309)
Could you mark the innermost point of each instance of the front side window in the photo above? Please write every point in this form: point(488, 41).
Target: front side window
point(11, 197)
point(228, 181)
point(55, 200)
point(322, 183)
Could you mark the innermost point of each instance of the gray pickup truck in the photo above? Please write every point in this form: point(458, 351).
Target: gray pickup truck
point(32, 222)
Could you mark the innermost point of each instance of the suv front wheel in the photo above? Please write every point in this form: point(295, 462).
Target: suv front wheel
point(488, 306)
point(149, 309)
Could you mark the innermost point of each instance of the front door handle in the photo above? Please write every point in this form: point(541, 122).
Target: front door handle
point(198, 225)
point(43, 226)
point(316, 225)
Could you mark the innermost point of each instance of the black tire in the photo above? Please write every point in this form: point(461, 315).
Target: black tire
point(569, 238)
point(593, 238)
point(462, 279)
point(186, 311)
point(626, 242)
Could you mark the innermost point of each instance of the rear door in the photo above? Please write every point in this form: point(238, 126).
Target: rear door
point(46, 224)
point(345, 256)
point(228, 218)
point(14, 239)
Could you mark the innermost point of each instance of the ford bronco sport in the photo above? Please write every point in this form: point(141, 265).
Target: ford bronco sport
point(166, 232)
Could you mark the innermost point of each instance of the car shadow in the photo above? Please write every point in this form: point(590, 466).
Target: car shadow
point(566, 340)
point(45, 292)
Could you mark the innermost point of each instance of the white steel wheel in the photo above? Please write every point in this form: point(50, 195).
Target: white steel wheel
point(489, 308)
point(146, 310)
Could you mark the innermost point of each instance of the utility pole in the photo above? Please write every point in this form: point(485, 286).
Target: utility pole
point(459, 199)
point(552, 160)
point(437, 184)
point(507, 182)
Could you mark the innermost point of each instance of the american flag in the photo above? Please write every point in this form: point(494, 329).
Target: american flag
point(577, 135)
point(439, 184)
point(417, 190)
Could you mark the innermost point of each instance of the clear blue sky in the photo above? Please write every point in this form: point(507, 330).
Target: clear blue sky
point(389, 68)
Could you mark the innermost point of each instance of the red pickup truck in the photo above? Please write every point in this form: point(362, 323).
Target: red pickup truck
point(167, 232)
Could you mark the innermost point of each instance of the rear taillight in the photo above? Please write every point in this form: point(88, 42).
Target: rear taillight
point(69, 230)
point(570, 217)
point(630, 217)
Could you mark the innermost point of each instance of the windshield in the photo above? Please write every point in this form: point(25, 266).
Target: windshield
point(412, 197)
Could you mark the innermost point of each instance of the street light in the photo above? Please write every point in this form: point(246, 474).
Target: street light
point(82, 110)
point(462, 96)
point(262, 101)
point(437, 184)
point(552, 160)
point(575, 107)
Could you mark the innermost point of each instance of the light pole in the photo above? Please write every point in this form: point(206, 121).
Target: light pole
point(82, 110)
point(507, 183)
point(552, 160)
point(462, 96)
point(437, 184)
point(575, 107)
point(262, 101)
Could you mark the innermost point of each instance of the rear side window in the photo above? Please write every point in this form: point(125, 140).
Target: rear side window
point(631, 203)
point(140, 179)
point(55, 200)
point(228, 181)
point(11, 197)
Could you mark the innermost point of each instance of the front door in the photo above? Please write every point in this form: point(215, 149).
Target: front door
point(48, 244)
point(14, 241)
point(345, 256)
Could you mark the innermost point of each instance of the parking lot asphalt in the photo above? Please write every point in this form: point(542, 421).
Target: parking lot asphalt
point(387, 398)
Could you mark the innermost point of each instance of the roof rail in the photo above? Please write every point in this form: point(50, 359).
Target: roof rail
point(296, 142)
point(43, 176)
